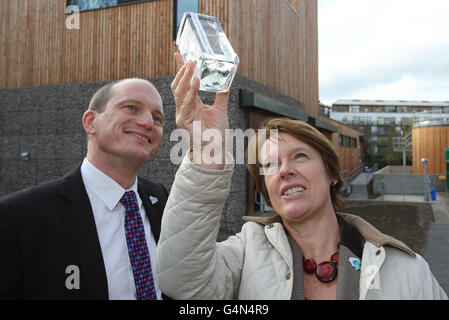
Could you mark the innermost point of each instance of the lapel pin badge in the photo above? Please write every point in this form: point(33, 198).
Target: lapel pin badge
point(355, 263)
point(153, 199)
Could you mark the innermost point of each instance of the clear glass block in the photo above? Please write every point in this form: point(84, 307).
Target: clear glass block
point(201, 38)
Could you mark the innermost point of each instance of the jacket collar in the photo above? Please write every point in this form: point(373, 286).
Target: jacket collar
point(374, 236)
point(106, 188)
point(368, 232)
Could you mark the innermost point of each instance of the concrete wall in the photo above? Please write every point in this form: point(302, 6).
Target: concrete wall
point(395, 170)
point(46, 123)
point(398, 183)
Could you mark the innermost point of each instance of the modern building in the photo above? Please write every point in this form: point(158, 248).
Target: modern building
point(55, 54)
point(380, 120)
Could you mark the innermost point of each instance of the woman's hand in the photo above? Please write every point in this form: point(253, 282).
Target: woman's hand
point(190, 112)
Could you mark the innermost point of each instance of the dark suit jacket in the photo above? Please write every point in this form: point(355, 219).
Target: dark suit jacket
point(45, 229)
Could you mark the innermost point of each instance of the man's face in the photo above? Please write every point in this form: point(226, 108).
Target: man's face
point(130, 127)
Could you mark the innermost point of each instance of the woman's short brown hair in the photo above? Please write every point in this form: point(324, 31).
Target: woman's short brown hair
point(309, 135)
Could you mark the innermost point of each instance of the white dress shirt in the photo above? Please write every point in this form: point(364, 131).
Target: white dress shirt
point(109, 214)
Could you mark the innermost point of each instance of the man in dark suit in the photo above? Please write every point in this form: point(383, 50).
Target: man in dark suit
point(92, 234)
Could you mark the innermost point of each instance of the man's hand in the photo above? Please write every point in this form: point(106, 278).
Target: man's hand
point(191, 111)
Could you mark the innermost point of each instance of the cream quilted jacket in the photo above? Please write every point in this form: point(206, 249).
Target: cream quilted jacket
point(257, 262)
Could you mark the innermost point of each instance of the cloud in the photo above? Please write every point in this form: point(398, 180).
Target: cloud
point(379, 49)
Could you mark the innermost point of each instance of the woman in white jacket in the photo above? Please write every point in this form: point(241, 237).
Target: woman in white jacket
point(306, 251)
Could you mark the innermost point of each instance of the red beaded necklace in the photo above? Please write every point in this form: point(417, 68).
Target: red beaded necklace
point(326, 271)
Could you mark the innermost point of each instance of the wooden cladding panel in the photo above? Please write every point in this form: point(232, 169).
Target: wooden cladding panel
point(430, 143)
point(127, 41)
point(277, 46)
point(349, 160)
point(349, 157)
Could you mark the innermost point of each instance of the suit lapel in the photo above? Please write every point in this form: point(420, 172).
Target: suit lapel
point(80, 224)
point(153, 210)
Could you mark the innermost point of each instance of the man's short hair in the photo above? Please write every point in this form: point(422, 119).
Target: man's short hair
point(103, 95)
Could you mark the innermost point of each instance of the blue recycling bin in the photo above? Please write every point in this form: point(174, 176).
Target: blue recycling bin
point(433, 194)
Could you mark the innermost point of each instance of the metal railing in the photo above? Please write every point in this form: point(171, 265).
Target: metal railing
point(403, 143)
point(348, 176)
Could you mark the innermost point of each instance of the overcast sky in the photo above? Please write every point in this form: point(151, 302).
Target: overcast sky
point(383, 49)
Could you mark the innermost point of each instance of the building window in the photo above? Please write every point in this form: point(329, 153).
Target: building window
point(362, 120)
point(406, 121)
point(365, 121)
point(390, 109)
point(390, 121)
point(179, 7)
point(86, 5)
point(345, 141)
point(354, 108)
point(382, 131)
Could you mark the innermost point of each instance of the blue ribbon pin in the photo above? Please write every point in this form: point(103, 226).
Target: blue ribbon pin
point(355, 263)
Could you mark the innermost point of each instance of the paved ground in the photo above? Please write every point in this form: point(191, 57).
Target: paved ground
point(435, 248)
point(437, 254)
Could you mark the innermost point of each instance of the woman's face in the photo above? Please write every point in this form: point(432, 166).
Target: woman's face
point(296, 179)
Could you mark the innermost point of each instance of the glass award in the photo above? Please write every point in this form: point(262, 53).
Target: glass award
point(201, 38)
